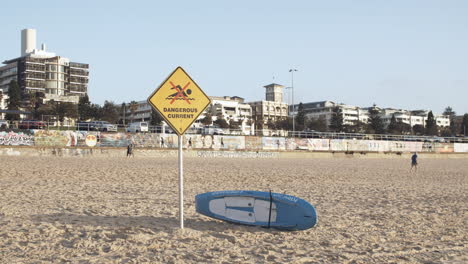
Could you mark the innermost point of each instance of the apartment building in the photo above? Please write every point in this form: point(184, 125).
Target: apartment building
point(140, 111)
point(271, 109)
point(324, 109)
point(38, 70)
point(353, 114)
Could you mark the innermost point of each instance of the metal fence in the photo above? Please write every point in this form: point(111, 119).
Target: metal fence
point(27, 125)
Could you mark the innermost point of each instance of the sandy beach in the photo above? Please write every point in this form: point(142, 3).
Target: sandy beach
point(125, 210)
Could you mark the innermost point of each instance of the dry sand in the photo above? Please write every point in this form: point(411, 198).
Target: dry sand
point(119, 210)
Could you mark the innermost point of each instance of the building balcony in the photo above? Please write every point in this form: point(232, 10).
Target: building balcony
point(78, 65)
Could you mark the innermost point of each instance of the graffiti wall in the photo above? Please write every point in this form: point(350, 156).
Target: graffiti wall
point(57, 138)
point(11, 138)
point(229, 142)
point(310, 144)
point(443, 147)
point(405, 146)
point(146, 140)
point(253, 143)
point(338, 145)
point(273, 143)
point(319, 144)
point(200, 141)
point(297, 144)
point(460, 147)
point(54, 138)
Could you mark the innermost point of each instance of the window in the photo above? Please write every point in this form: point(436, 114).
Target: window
point(52, 68)
point(51, 76)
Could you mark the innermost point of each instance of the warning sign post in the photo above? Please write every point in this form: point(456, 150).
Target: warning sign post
point(180, 101)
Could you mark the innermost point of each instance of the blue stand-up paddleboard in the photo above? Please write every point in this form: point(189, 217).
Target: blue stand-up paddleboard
point(265, 209)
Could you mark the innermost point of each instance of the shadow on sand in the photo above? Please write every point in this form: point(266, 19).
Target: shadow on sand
point(155, 224)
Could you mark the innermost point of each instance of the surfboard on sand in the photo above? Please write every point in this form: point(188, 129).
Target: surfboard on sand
point(253, 208)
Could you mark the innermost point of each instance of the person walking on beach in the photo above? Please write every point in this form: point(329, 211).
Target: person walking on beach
point(130, 150)
point(414, 162)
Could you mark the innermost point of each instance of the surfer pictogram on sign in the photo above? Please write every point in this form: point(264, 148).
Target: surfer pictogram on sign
point(179, 100)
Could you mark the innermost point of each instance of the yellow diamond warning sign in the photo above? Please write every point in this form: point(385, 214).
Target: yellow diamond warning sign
point(179, 100)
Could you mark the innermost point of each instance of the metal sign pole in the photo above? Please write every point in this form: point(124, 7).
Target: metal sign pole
point(181, 184)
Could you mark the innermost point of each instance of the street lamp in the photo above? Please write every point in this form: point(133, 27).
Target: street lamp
point(292, 89)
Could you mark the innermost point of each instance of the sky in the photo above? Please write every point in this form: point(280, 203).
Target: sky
point(408, 54)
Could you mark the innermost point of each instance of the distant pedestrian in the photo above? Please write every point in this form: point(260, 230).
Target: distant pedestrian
point(162, 142)
point(222, 143)
point(414, 162)
point(189, 142)
point(130, 150)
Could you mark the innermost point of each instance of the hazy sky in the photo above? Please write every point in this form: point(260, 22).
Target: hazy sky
point(402, 54)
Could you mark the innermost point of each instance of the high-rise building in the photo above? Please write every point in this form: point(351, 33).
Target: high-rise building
point(38, 70)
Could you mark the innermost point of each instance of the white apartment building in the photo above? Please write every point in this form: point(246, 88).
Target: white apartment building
point(324, 109)
point(140, 112)
point(230, 108)
point(412, 118)
point(38, 70)
point(353, 114)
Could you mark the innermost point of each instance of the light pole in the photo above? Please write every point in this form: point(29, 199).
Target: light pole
point(292, 89)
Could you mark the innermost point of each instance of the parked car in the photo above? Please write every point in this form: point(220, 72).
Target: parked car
point(4, 124)
point(212, 130)
point(85, 126)
point(137, 127)
point(104, 126)
point(31, 124)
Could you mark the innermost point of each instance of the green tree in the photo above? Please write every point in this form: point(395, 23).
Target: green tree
point(156, 118)
point(61, 110)
point(271, 124)
point(300, 118)
point(14, 101)
point(403, 128)
point(221, 122)
point(95, 112)
point(133, 107)
point(283, 123)
point(123, 109)
point(431, 125)
point(451, 114)
point(33, 100)
point(207, 120)
point(110, 112)
point(418, 130)
point(336, 121)
point(317, 124)
point(84, 108)
point(464, 125)
point(376, 124)
point(234, 124)
point(393, 126)
point(45, 109)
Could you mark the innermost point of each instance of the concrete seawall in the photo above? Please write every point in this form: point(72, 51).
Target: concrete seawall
point(152, 152)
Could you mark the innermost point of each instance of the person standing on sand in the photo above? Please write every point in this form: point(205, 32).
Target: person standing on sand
point(414, 162)
point(130, 150)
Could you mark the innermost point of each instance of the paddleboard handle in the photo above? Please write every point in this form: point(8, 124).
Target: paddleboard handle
point(269, 214)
